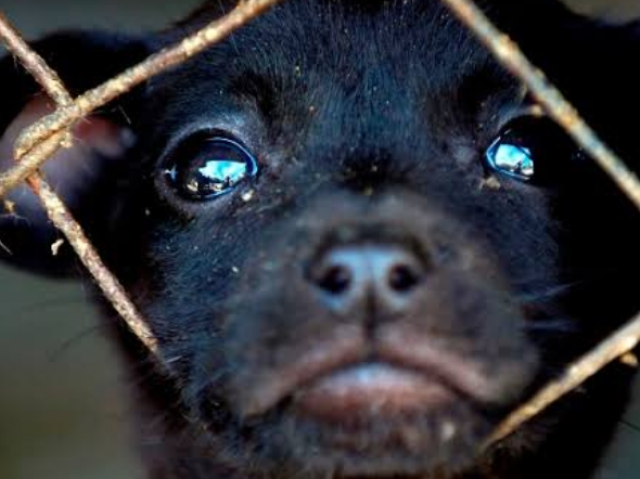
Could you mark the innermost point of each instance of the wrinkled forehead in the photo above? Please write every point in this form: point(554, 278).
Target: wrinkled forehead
point(409, 60)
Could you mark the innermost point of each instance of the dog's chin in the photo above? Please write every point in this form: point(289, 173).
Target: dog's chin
point(437, 443)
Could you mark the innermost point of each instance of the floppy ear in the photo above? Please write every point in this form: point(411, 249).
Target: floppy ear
point(81, 174)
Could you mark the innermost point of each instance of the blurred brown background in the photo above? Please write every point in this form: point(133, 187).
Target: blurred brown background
point(62, 414)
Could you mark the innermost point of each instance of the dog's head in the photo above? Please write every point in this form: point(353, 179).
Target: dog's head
point(359, 242)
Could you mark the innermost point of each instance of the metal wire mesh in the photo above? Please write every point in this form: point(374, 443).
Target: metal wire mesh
point(42, 140)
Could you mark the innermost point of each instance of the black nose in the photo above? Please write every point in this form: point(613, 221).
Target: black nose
point(349, 275)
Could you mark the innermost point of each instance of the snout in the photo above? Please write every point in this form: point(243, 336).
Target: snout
point(390, 310)
point(377, 330)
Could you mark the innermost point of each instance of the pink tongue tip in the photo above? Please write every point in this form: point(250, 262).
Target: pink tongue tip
point(371, 389)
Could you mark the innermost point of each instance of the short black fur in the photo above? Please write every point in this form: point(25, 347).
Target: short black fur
point(369, 121)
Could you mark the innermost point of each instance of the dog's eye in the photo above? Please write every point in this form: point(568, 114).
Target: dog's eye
point(531, 150)
point(214, 168)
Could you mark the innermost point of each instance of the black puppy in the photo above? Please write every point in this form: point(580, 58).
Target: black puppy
point(358, 241)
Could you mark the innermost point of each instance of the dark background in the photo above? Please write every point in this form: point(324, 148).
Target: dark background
point(62, 412)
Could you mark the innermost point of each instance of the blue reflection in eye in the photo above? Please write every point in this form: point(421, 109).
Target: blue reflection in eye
point(224, 173)
point(511, 159)
point(217, 169)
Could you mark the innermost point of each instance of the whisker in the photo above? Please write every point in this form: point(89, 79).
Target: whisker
point(5, 248)
point(65, 347)
point(565, 326)
point(630, 425)
point(217, 376)
point(551, 292)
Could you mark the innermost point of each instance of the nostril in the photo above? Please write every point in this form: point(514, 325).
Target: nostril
point(335, 280)
point(351, 276)
point(403, 278)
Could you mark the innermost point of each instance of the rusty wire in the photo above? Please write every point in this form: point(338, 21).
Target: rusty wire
point(58, 213)
point(46, 136)
point(623, 341)
point(550, 98)
point(509, 54)
point(110, 286)
point(52, 139)
point(34, 63)
point(64, 117)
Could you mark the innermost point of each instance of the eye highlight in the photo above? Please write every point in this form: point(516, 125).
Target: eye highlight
point(216, 166)
point(532, 150)
point(512, 159)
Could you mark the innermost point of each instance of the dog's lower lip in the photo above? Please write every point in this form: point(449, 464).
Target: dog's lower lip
point(371, 389)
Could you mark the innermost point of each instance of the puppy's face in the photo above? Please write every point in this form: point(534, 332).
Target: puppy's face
point(360, 244)
point(356, 241)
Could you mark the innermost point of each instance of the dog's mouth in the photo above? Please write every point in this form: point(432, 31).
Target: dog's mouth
point(402, 403)
point(373, 389)
point(348, 375)
point(395, 407)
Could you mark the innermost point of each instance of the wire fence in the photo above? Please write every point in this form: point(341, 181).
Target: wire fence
point(42, 140)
